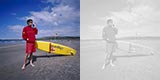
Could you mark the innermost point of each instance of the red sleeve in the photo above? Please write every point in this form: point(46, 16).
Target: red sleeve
point(24, 34)
point(35, 30)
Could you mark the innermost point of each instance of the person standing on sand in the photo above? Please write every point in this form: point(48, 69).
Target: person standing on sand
point(28, 35)
point(108, 34)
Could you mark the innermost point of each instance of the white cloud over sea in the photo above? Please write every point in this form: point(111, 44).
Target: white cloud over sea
point(57, 17)
point(131, 17)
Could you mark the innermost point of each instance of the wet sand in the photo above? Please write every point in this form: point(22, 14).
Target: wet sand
point(47, 66)
point(128, 66)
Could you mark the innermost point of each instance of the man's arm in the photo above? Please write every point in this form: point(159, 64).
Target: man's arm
point(116, 30)
point(35, 30)
point(24, 34)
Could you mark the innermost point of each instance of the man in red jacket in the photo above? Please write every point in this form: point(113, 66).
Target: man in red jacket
point(109, 35)
point(28, 35)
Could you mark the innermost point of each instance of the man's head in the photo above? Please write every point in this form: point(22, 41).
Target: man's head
point(30, 22)
point(110, 22)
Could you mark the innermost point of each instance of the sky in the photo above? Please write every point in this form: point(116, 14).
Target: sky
point(51, 17)
point(131, 17)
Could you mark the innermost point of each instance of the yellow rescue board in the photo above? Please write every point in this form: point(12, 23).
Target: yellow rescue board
point(55, 48)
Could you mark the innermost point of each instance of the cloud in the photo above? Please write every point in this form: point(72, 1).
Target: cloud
point(53, 1)
point(130, 17)
point(61, 18)
point(16, 28)
point(57, 16)
point(134, 16)
point(42, 33)
point(59, 31)
point(72, 3)
point(138, 17)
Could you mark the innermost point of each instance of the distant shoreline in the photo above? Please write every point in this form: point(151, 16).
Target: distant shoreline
point(13, 41)
point(129, 38)
point(45, 38)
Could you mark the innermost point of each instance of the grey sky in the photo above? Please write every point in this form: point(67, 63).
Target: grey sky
point(131, 17)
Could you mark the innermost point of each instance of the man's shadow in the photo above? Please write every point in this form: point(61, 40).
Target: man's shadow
point(130, 55)
point(115, 57)
point(35, 57)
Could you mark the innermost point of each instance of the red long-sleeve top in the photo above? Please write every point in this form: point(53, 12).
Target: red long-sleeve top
point(29, 33)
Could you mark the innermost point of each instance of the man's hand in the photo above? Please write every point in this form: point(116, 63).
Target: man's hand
point(116, 30)
point(34, 25)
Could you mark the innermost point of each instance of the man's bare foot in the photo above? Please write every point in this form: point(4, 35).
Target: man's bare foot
point(23, 67)
point(32, 64)
point(104, 65)
point(112, 64)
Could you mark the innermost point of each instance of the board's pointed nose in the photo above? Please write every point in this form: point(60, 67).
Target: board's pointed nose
point(73, 53)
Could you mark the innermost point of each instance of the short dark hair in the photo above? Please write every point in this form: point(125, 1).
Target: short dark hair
point(109, 20)
point(29, 20)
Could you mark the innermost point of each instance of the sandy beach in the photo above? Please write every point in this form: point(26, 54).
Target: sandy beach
point(128, 66)
point(47, 66)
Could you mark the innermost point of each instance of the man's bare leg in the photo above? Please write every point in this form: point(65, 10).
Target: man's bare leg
point(109, 57)
point(31, 60)
point(107, 60)
point(111, 60)
point(114, 47)
point(25, 60)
